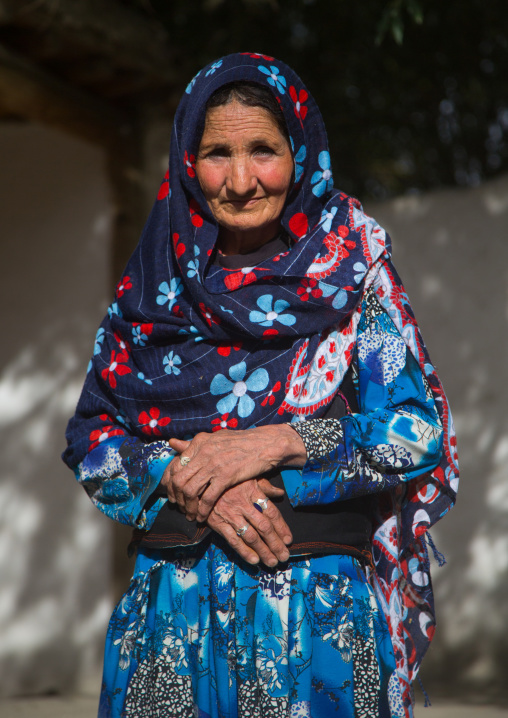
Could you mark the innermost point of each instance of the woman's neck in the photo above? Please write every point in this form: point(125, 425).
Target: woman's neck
point(245, 242)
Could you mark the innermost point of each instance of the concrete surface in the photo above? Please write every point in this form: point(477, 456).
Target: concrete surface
point(86, 707)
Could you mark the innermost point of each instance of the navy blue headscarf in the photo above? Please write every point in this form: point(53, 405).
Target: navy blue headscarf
point(188, 345)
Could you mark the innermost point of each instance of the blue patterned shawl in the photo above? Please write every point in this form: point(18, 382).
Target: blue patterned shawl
point(188, 344)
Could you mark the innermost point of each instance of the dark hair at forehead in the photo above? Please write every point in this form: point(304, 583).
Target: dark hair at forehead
point(253, 95)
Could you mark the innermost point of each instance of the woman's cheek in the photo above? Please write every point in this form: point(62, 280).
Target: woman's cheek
point(211, 179)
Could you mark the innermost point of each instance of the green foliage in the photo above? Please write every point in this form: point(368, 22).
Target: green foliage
point(414, 94)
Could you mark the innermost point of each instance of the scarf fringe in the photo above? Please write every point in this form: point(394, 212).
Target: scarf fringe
point(440, 557)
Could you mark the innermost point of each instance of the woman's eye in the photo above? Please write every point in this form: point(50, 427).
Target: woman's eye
point(263, 150)
point(217, 152)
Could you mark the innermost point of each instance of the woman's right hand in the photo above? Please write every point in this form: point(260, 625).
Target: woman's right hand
point(267, 535)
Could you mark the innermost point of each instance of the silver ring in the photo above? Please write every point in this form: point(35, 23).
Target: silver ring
point(261, 503)
point(242, 531)
point(184, 460)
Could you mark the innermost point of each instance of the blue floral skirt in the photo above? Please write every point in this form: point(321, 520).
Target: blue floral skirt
point(202, 634)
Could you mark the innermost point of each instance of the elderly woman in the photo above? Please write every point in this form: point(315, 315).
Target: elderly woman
point(261, 408)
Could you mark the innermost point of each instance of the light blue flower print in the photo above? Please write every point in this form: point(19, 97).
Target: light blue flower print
point(299, 158)
point(123, 418)
point(141, 376)
point(327, 218)
point(214, 67)
point(237, 389)
point(138, 337)
point(114, 309)
point(192, 330)
point(340, 297)
point(360, 270)
point(90, 365)
point(323, 180)
point(193, 265)
point(274, 77)
point(268, 316)
point(171, 362)
point(99, 338)
point(170, 292)
point(191, 84)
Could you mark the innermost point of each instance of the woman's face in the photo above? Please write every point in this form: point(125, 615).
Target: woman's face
point(245, 169)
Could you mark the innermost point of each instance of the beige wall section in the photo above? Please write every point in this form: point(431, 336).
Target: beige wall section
point(55, 548)
point(451, 249)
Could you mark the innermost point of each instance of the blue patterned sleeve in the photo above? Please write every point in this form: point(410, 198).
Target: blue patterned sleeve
point(121, 473)
point(395, 436)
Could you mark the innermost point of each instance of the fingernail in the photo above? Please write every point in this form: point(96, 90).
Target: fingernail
point(272, 562)
point(284, 556)
point(171, 500)
point(288, 540)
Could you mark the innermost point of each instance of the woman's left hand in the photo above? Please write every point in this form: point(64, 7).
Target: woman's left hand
point(225, 458)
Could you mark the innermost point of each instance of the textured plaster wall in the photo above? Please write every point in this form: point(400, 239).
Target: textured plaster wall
point(55, 548)
point(451, 249)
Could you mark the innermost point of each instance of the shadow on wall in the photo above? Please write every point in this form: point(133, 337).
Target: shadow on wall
point(451, 250)
point(55, 547)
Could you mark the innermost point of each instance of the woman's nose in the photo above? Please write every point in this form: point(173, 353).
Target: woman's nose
point(241, 179)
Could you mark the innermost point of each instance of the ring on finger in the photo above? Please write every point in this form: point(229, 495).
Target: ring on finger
point(261, 504)
point(242, 531)
point(184, 460)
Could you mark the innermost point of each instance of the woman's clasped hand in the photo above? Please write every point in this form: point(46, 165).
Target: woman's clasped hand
point(223, 476)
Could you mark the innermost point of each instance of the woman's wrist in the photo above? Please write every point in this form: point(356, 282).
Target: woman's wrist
point(281, 445)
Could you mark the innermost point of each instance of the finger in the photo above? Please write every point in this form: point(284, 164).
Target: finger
point(229, 533)
point(269, 557)
point(179, 444)
point(271, 539)
point(273, 492)
point(189, 493)
point(210, 495)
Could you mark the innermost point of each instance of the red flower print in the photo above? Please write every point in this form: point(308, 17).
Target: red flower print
point(343, 231)
point(223, 423)
point(270, 399)
point(123, 285)
point(330, 375)
point(332, 348)
point(208, 315)
point(190, 163)
point(299, 98)
point(224, 349)
point(256, 55)
point(196, 218)
point(270, 333)
point(99, 435)
point(309, 287)
point(164, 188)
point(321, 361)
point(122, 345)
point(116, 366)
point(151, 421)
point(299, 224)
point(179, 246)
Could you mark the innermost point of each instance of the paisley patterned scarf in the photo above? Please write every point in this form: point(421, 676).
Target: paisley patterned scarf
point(188, 345)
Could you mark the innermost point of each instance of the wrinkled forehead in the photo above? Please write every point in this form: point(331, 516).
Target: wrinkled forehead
point(263, 70)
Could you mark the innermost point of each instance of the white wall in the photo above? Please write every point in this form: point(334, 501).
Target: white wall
point(55, 548)
point(451, 249)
